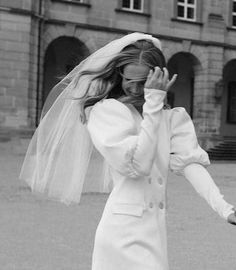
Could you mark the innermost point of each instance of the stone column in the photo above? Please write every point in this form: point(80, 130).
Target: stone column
point(14, 74)
point(207, 111)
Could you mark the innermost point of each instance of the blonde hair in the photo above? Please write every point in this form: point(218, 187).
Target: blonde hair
point(106, 82)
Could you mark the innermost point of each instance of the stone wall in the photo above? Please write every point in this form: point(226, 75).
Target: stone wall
point(210, 40)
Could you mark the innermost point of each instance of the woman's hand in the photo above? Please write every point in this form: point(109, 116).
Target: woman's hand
point(232, 218)
point(159, 79)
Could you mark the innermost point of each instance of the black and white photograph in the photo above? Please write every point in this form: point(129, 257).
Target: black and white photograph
point(117, 134)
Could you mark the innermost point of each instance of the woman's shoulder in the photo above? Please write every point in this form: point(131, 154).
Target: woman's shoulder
point(109, 103)
point(176, 112)
point(111, 109)
point(178, 117)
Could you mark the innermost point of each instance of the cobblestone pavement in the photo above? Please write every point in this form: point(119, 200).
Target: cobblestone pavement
point(38, 234)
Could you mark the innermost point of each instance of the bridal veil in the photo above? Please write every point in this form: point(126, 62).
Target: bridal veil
point(60, 157)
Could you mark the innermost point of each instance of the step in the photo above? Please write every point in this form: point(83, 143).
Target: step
point(217, 153)
point(220, 158)
point(221, 154)
point(223, 151)
point(225, 146)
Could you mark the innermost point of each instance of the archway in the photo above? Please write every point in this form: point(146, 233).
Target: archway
point(182, 92)
point(61, 56)
point(228, 100)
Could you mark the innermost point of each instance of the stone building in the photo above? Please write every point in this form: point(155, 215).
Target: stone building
point(41, 40)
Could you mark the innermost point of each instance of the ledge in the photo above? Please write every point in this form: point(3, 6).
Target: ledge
point(133, 12)
point(19, 11)
point(128, 31)
point(230, 28)
point(72, 2)
point(215, 17)
point(186, 21)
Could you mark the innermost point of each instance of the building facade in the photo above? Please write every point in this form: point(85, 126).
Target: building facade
point(42, 40)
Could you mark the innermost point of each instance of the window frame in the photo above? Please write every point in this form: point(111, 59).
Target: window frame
point(78, 1)
point(131, 9)
point(187, 5)
point(232, 14)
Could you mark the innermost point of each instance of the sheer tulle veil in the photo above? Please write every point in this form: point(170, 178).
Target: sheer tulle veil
point(60, 159)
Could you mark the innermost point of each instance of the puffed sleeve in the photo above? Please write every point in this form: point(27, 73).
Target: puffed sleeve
point(187, 158)
point(114, 133)
point(183, 143)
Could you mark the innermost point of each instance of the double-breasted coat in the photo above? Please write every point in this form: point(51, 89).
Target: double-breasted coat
point(140, 150)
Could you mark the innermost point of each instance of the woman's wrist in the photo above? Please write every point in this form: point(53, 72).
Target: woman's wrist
point(154, 100)
point(154, 96)
point(146, 89)
point(231, 218)
point(231, 211)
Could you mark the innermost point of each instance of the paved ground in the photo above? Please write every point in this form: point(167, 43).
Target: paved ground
point(37, 234)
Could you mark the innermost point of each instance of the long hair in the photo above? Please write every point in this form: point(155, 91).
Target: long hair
point(106, 82)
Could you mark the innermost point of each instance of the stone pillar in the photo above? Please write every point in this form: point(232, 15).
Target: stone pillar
point(18, 64)
point(14, 74)
point(207, 111)
point(35, 72)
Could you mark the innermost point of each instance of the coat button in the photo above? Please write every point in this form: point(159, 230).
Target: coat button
point(149, 180)
point(160, 180)
point(161, 205)
point(151, 205)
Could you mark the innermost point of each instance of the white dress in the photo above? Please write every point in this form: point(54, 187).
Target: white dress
point(140, 151)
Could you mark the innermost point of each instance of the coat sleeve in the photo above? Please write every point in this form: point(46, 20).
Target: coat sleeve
point(203, 183)
point(189, 159)
point(114, 133)
point(184, 147)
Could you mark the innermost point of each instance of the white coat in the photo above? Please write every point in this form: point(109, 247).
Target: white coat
point(140, 151)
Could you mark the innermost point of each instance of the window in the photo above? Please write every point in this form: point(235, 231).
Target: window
point(133, 5)
point(136, 7)
point(234, 13)
point(231, 102)
point(187, 10)
point(79, 1)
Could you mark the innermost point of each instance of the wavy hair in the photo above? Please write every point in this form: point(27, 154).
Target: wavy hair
point(106, 82)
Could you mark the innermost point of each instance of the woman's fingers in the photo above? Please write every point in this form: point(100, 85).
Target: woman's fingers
point(153, 77)
point(165, 76)
point(150, 73)
point(159, 79)
point(171, 82)
point(149, 78)
point(157, 73)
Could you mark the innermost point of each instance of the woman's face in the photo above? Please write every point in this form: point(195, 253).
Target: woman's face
point(133, 79)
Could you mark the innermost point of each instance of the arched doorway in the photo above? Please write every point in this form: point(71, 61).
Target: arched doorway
point(61, 56)
point(228, 101)
point(182, 92)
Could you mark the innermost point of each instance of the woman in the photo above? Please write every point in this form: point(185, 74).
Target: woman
point(114, 101)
